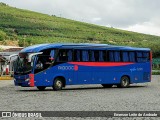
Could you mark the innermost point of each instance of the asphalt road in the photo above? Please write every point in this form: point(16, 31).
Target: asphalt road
point(139, 97)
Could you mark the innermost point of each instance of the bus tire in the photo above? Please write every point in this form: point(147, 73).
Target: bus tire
point(107, 85)
point(41, 88)
point(58, 84)
point(125, 82)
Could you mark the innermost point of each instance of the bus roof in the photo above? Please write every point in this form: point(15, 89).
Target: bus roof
point(40, 47)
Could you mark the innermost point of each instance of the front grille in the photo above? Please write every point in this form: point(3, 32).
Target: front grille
point(19, 81)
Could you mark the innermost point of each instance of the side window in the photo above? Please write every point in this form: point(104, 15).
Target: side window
point(92, 58)
point(101, 57)
point(85, 55)
point(96, 55)
point(105, 55)
point(111, 56)
point(128, 56)
point(142, 56)
point(132, 56)
point(82, 55)
point(117, 56)
point(121, 56)
point(125, 57)
point(77, 55)
point(64, 55)
point(52, 54)
point(70, 55)
point(146, 55)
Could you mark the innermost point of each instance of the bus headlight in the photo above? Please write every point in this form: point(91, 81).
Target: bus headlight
point(27, 79)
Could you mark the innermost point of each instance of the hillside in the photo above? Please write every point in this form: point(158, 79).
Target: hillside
point(27, 28)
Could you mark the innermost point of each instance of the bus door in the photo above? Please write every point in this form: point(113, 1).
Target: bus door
point(63, 66)
point(42, 68)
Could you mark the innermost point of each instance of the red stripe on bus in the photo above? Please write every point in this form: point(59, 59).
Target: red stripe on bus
point(31, 76)
point(101, 64)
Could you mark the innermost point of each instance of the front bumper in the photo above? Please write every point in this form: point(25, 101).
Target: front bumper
point(22, 83)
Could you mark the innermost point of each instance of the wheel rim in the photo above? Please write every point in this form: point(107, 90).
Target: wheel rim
point(125, 81)
point(59, 84)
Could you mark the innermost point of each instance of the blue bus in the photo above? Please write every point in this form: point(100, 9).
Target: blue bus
point(58, 65)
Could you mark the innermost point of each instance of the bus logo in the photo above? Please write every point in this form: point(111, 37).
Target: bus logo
point(75, 67)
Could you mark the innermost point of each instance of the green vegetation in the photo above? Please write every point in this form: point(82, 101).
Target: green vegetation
point(3, 35)
point(30, 28)
point(155, 73)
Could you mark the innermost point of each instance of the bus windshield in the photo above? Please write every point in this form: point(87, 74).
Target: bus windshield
point(22, 66)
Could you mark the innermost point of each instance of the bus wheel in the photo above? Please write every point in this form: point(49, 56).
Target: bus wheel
point(41, 88)
point(107, 85)
point(124, 82)
point(58, 84)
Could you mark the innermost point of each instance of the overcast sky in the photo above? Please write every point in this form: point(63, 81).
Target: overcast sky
point(133, 15)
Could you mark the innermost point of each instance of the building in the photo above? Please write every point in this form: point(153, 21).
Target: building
point(6, 67)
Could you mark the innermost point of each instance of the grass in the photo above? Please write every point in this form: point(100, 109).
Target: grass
point(155, 73)
point(28, 28)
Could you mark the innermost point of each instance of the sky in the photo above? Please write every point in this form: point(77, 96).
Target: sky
point(133, 15)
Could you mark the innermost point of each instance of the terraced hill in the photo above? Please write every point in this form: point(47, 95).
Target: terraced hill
point(27, 28)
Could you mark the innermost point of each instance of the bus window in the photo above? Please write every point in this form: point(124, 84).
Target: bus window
point(70, 55)
point(64, 55)
point(85, 55)
point(101, 58)
point(142, 56)
point(52, 55)
point(139, 57)
point(125, 57)
point(131, 56)
point(77, 55)
point(96, 55)
point(92, 59)
point(146, 56)
point(111, 56)
point(139, 54)
point(117, 56)
point(105, 56)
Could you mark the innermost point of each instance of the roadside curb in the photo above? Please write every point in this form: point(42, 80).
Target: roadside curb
point(6, 78)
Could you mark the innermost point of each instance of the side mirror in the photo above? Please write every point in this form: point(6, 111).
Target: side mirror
point(33, 54)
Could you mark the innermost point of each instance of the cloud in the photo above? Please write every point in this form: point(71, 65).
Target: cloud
point(97, 19)
point(152, 27)
point(137, 15)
